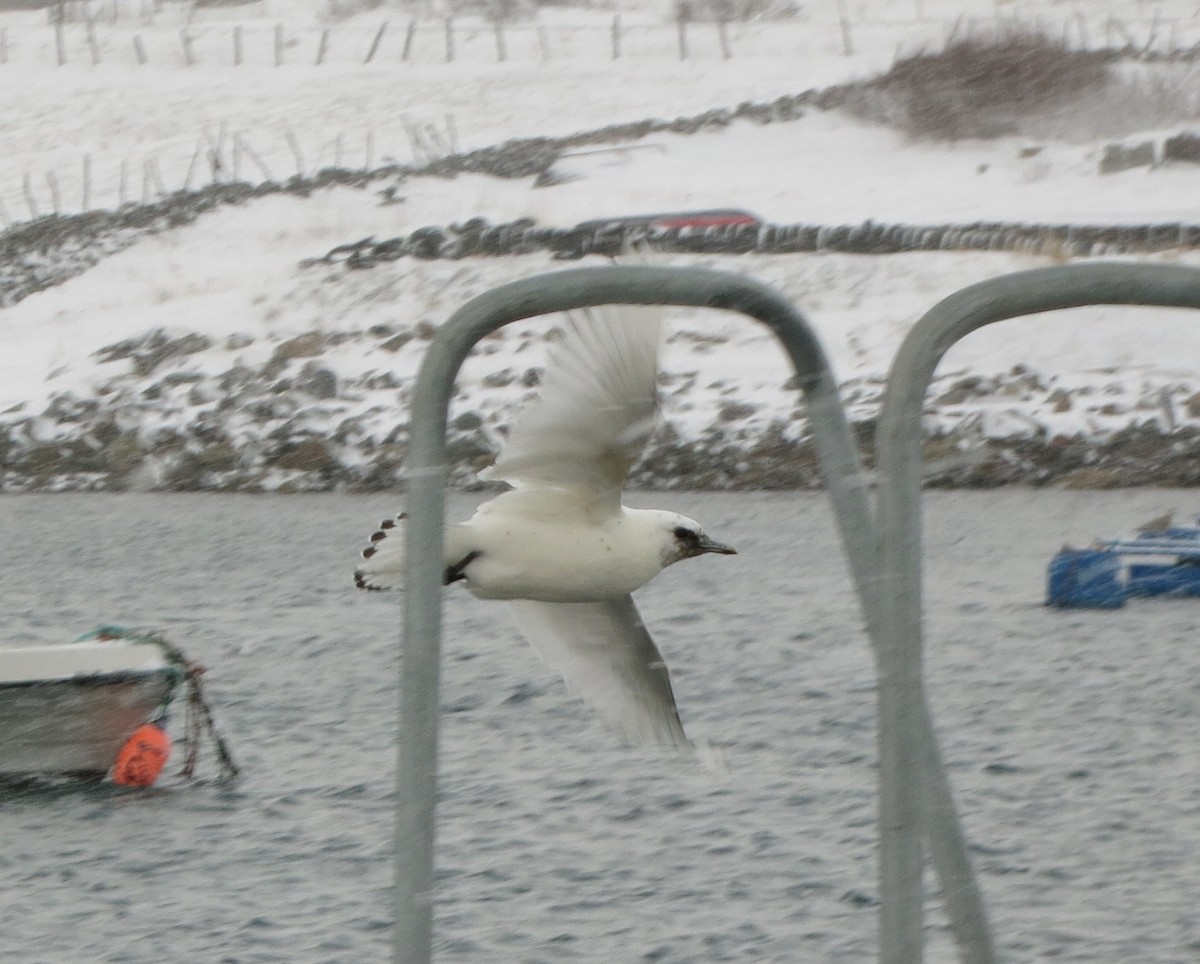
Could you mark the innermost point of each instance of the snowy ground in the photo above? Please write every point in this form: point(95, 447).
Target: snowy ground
point(229, 298)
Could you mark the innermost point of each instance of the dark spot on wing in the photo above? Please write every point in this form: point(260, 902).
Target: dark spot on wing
point(458, 570)
point(360, 580)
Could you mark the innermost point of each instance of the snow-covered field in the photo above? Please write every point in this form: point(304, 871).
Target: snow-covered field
point(237, 367)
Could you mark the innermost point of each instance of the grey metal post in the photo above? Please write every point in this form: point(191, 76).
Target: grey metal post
point(910, 770)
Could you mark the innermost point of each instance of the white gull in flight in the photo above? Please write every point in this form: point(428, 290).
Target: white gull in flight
point(560, 546)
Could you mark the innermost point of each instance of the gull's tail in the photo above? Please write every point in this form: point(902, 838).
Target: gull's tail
point(383, 560)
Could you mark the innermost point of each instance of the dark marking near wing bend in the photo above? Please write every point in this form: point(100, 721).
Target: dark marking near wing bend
point(458, 570)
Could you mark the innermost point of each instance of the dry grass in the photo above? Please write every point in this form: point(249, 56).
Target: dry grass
point(982, 86)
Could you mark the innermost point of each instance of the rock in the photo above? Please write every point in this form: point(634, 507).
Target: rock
point(735, 411)
point(396, 342)
point(317, 382)
point(1120, 157)
point(309, 345)
point(1089, 478)
point(1182, 147)
point(311, 455)
point(1059, 400)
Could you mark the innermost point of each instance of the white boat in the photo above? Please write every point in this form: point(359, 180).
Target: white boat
point(70, 708)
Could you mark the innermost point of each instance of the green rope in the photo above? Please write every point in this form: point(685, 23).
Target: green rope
point(198, 715)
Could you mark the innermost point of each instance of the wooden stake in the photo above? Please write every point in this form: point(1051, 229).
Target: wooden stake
point(498, 31)
point(251, 153)
point(847, 39)
point(197, 154)
point(296, 152)
point(449, 39)
point(409, 34)
point(30, 200)
point(376, 42)
point(55, 195)
point(93, 45)
point(323, 46)
point(616, 37)
point(139, 49)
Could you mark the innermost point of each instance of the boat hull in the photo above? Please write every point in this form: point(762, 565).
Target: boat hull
point(69, 709)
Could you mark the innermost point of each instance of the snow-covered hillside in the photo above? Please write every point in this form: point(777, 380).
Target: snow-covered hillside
point(220, 352)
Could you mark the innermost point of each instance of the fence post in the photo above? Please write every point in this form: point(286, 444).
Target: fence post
point(498, 31)
point(449, 39)
point(682, 15)
point(55, 195)
point(723, 36)
point(322, 46)
point(237, 45)
point(409, 34)
point(93, 44)
point(139, 49)
point(85, 203)
point(847, 37)
point(616, 36)
point(30, 200)
point(376, 42)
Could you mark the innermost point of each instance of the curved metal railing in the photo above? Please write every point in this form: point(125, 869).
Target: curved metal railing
point(881, 537)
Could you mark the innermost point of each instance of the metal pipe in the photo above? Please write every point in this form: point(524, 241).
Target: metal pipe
point(913, 780)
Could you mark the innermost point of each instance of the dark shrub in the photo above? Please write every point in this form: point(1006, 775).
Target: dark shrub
point(980, 86)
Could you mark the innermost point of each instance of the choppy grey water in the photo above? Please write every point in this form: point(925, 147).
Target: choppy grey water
point(1071, 738)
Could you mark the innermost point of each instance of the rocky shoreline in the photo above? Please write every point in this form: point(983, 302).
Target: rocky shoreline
point(292, 424)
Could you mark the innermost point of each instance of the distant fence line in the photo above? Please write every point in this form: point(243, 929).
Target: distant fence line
point(88, 39)
point(50, 248)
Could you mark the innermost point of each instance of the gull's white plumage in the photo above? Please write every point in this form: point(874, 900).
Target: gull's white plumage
point(559, 544)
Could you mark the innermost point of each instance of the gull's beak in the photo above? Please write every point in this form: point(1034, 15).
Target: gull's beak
point(705, 544)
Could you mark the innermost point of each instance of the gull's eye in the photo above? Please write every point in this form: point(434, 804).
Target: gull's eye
point(685, 537)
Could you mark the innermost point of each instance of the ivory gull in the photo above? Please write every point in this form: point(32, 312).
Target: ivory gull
point(559, 545)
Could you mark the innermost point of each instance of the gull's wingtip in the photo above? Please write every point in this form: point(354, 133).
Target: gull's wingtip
point(383, 556)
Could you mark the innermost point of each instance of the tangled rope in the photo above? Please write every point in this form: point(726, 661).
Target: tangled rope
point(198, 718)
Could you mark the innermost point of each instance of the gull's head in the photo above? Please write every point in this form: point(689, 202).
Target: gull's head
point(685, 539)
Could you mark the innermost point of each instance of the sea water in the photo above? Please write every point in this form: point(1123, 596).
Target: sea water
point(1070, 739)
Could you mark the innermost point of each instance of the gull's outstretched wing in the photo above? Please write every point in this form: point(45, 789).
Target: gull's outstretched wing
point(608, 660)
point(597, 404)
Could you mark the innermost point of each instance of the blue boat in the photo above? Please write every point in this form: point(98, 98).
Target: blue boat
point(1161, 560)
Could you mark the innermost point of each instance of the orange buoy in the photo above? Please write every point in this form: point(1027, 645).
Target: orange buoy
point(143, 757)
